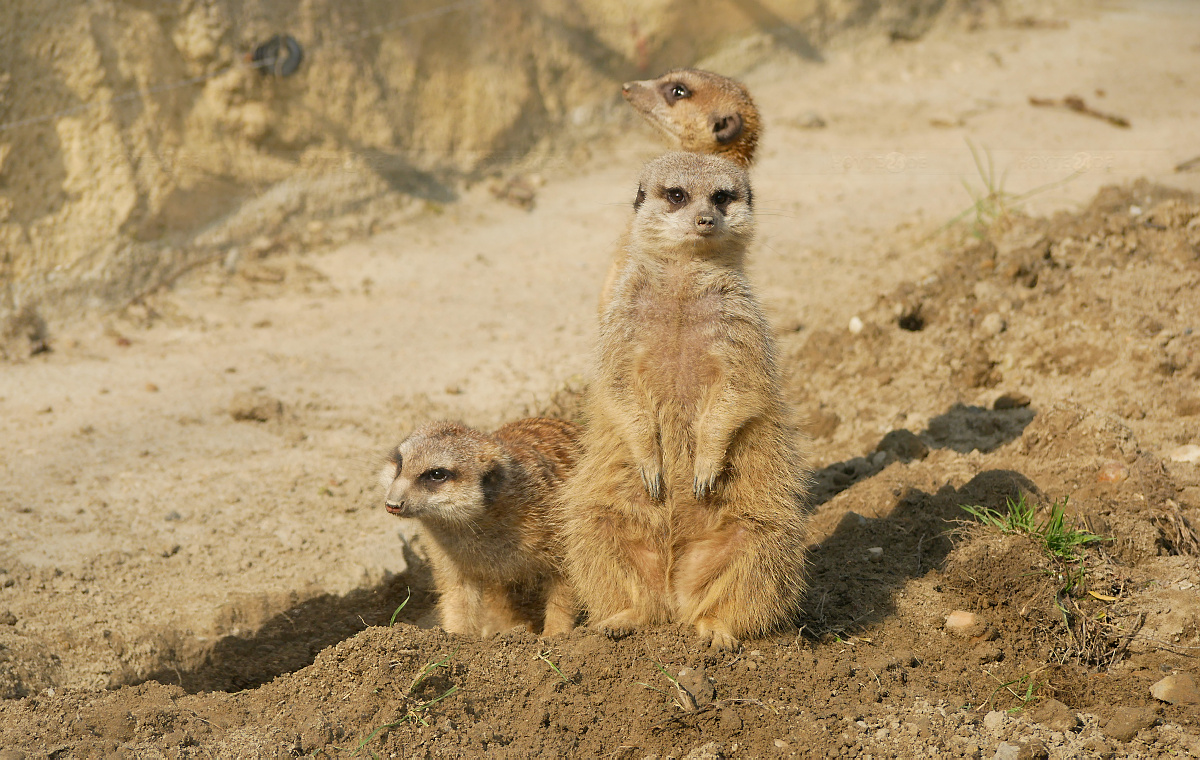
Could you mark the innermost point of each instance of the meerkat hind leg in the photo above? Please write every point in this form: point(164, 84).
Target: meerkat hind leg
point(620, 625)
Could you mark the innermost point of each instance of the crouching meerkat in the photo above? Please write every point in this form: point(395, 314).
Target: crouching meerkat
point(687, 501)
point(700, 112)
point(489, 505)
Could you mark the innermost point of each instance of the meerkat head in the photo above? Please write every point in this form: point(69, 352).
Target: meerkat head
point(444, 472)
point(696, 204)
point(703, 112)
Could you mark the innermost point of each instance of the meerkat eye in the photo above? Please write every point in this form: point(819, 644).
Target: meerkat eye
point(676, 196)
point(722, 198)
point(679, 91)
point(436, 475)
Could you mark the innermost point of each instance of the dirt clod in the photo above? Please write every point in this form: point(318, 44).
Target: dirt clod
point(255, 407)
point(1123, 723)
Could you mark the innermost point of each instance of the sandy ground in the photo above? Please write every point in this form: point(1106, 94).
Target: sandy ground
point(188, 491)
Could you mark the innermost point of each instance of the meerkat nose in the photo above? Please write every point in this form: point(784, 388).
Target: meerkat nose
point(705, 222)
point(626, 87)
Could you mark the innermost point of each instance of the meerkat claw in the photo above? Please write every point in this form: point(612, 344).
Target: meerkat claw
point(653, 482)
point(704, 481)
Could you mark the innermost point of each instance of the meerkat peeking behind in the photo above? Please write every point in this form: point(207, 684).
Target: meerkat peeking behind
point(700, 111)
point(687, 502)
point(489, 505)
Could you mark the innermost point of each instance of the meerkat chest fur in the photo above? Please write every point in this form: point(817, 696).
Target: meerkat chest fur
point(680, 320)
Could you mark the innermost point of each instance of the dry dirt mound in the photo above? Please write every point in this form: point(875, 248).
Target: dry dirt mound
point(994, 379)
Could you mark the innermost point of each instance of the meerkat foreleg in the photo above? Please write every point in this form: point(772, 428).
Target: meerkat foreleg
point(639, 431)
point(726, 410)
point(461, 606)
point(561, 608)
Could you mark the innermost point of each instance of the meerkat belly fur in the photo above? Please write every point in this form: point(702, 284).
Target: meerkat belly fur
point(489, 505)
point(687, 502)
point(699, 112)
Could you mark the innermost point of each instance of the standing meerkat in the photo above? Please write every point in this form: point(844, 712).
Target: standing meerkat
point(687, 502)
point(701, 112)
point(489, 504)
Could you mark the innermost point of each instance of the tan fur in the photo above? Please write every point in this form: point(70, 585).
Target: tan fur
point(492, 514)
point(696, 123)
point(686, 504)
point(700, 120)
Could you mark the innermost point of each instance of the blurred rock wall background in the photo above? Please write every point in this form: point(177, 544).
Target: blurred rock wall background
point(136, 139)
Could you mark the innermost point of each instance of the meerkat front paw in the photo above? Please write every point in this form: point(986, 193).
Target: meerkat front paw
point(704, 480)
point(652, 479)
point(716, 635)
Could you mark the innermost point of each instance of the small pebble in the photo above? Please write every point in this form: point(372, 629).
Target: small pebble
point(1189, 454)
point(875, 553)
point(780, 743)
point(994, 720)
point(7, 618)
point(963, 623)
point(1113, 472)
point(1006, 751)
point(856, 325)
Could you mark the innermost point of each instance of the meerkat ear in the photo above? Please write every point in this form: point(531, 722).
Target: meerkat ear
point(492, 482)
point(726, 128)
point(639, 199)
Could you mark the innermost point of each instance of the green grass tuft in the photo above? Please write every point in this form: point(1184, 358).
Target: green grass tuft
point(1056, 536)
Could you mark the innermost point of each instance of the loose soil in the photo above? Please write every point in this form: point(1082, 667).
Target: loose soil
point(195, 562)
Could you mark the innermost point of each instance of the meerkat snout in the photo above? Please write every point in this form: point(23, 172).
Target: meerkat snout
point(705, 223)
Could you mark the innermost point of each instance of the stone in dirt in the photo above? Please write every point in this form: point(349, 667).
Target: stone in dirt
point(1179, 689)
point(1112, 472)
point(994, 720)
point(694, 689)
point(964, 624)
point(1055, 715)
point(1189, 454)
point(1124, 722)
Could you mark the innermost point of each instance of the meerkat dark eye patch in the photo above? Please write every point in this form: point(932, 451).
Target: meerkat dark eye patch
point(675, 91)
point(639, 199)
point(437, 475)
point(676, 196)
